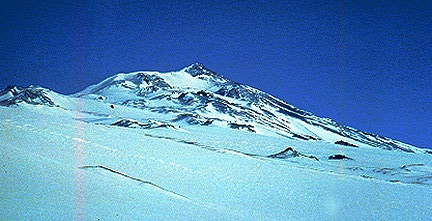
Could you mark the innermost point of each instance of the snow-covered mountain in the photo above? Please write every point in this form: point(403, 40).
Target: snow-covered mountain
point(199, 95)
point(193, 145)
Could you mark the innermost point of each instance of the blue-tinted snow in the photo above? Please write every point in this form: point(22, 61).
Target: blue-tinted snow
point(202, 169)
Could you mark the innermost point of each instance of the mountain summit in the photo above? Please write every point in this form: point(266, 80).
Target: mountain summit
point(199, 69)
point(194, 145)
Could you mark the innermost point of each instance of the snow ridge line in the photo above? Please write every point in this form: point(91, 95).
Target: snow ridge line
point(132, 178)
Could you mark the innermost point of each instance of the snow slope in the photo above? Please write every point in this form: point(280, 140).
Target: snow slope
point(151, 146)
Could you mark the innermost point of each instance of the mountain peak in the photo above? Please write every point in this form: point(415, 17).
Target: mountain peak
point(197, 65)
point(197, 69)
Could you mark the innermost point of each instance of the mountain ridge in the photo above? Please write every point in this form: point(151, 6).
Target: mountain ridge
point(201, 94)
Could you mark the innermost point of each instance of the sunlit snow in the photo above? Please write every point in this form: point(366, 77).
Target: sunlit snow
point(198, 149)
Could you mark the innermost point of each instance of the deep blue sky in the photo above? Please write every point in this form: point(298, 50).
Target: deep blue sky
point(366, 64)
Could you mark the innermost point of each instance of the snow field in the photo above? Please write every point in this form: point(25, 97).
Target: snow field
point(39, 170)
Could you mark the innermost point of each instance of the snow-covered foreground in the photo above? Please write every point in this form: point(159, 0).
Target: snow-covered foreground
point(192, 145)
point(57, 166)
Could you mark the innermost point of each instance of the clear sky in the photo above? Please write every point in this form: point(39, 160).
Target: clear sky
point(366, 64)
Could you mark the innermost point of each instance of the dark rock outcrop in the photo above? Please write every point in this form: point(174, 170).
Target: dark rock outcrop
point(13, 95)
point(290, 152)
point(339, 157)
point(344, 143)
point(249, 128)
